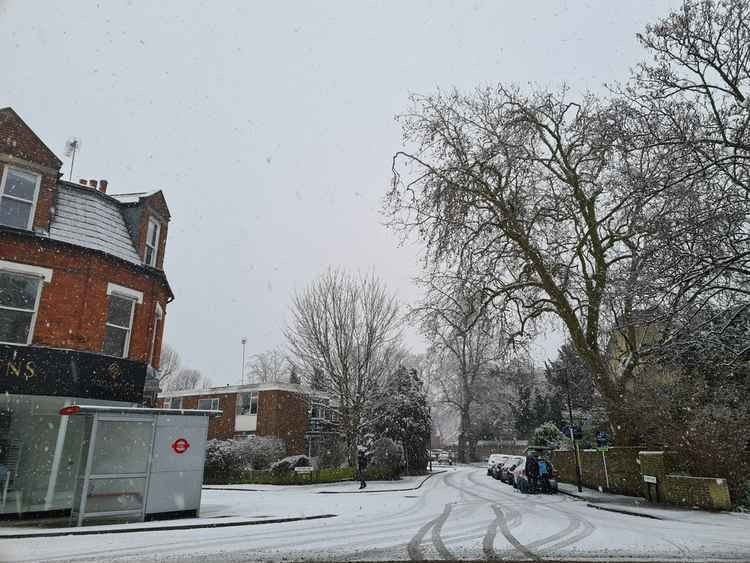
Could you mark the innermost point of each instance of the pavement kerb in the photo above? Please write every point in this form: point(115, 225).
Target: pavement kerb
point(358, 492)
point(623, 511)
point(85, 532)
point(593, 504)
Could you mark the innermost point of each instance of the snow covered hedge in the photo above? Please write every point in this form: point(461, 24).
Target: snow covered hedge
point(227, 458)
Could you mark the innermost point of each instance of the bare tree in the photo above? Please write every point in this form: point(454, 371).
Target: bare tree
point(187, 379)
point(544, 204)
point(344, 334)
point(169, 365)
point(691, 98)
point(269, 366)
point(464, 343)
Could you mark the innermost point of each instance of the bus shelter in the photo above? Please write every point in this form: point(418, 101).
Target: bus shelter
point(139, 463)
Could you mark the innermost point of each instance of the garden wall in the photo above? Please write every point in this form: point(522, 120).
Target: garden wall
point(622, 468)
point(710, 493)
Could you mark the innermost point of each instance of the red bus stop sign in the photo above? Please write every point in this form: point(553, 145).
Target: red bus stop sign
point(180, 445)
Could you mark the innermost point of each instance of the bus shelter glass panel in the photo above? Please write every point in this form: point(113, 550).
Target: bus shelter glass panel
point(122, 447)
point(116, 495)
point(115, 468)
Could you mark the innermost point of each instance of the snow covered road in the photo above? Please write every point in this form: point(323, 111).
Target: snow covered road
point(459, 514)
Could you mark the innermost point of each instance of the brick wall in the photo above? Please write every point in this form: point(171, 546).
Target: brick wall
point(20, 146)
point(709, 493)
point(73, 306)
point(283, 414)
point(703, 492)
point(622, 468)
point(219, 427)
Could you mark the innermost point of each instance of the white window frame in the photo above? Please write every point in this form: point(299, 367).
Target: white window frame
point(154, 249)
point(257, 403)
point(123, 291)
point(214, 404)
point(179, 399)
point(44, 275)
point(34, 200)
point(129, 333)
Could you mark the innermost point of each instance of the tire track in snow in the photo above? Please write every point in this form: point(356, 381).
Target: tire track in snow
point(413, 548)
point(575, 521)
point(437, 541)
point(503, 525)
point(500, 520)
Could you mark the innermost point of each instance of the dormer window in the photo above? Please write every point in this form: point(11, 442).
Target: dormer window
point(152, 242)
point(18, 194)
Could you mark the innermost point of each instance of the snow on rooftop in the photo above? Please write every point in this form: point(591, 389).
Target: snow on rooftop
point(133, 197)
point(87, 218)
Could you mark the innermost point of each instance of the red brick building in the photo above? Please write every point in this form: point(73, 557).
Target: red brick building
point(280, 410)
point(83, 298)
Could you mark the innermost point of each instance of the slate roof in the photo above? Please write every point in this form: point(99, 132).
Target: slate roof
point(91, 219)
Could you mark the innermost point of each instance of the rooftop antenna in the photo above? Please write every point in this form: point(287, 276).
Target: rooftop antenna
point(72, 146)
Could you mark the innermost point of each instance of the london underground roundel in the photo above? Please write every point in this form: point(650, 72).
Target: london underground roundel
point(180, 445)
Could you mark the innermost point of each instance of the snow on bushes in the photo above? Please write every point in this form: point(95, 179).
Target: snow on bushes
point(232, 457)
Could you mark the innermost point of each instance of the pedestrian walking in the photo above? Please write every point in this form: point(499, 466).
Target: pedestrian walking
point(362, 466)
point(532, 473)
point(543, 475)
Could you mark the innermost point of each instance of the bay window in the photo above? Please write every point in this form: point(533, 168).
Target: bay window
point(18, 195)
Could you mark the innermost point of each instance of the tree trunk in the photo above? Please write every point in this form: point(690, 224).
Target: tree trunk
point(463, 437)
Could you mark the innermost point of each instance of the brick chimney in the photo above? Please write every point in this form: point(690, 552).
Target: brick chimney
point(83, 182)
point(103, 186)
point(92, 183)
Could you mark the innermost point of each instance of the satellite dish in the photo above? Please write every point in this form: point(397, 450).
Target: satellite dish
point(72, 146)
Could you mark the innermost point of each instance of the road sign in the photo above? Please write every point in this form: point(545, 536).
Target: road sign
point(649, 479)
point(602, 449)
point(180, 445)
point(602, 439)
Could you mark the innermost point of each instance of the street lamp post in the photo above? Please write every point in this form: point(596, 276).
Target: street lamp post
point(242, 372)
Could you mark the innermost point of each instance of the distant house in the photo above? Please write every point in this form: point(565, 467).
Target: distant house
point(293, 413)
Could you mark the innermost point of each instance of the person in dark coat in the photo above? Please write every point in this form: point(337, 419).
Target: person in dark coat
point(361, 467)
point(532, 473)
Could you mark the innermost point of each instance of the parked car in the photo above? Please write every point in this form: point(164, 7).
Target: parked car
point(445, 457)
point(496, 469)
point(521, 482)
point(506, 469)
point(493, 460)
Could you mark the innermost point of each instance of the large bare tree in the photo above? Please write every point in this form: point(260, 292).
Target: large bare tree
point(344, 334)
point(543, 203)
point(464, 343)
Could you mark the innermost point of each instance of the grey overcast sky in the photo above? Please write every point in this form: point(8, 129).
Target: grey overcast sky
point(269, 126)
